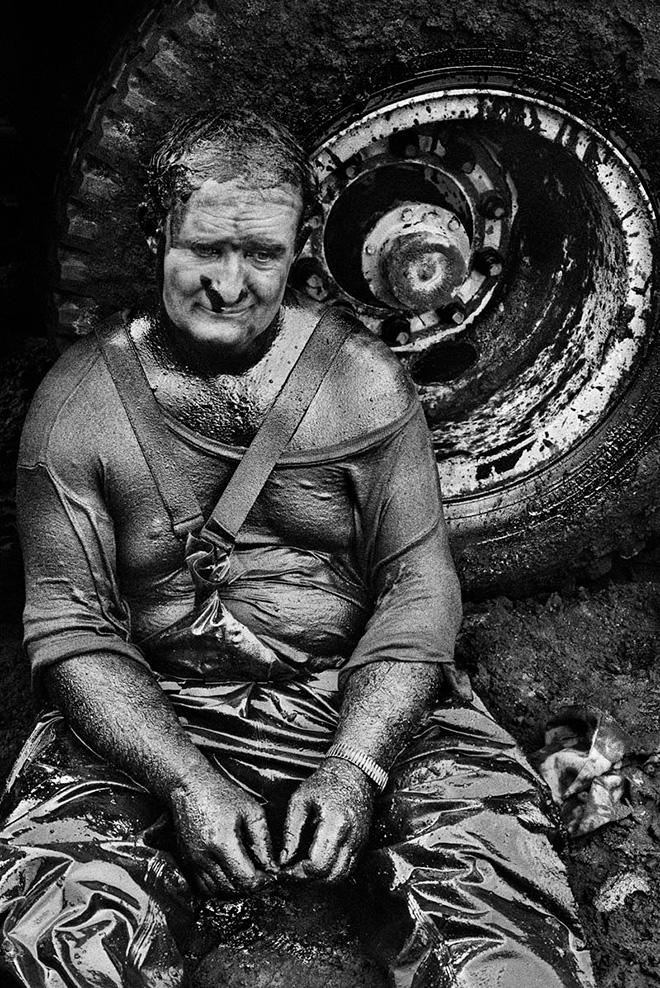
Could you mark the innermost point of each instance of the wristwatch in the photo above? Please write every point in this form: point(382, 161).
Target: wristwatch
point(358, 758)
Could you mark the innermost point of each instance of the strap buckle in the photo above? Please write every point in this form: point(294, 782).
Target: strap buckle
point(215, 533)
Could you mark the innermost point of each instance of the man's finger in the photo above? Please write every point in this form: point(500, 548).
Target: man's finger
point(329, 839)
point(239, 867)
point(296, 871)
point(344, 865)
point(296, 818)
point(212, 877)
point(202, 884)
point(258, 839)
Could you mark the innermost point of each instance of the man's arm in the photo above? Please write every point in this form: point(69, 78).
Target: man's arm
point(403, 657)
point(78, 626)
point(118, 708)
point(382, 704)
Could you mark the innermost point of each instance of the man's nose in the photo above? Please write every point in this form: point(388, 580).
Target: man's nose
point(224, 281)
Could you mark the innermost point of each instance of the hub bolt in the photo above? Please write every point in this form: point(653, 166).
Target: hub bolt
point(489, 262)
point(454, 313)
point(461, 158)
point(395, 330)
point(493, 205)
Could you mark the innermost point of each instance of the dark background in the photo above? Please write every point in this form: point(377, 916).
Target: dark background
point(50, 54)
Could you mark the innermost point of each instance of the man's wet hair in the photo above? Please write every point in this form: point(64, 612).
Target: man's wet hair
point(213, 144)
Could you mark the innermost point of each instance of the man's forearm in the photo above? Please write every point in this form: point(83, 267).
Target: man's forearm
point(118, 708)
point(383, 703)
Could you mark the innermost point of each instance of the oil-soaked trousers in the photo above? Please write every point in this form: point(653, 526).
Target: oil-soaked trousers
point(464, 884)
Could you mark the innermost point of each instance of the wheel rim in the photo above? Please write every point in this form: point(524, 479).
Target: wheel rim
point(537, 352)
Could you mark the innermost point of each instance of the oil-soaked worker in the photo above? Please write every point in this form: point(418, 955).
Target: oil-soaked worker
point(259, 686)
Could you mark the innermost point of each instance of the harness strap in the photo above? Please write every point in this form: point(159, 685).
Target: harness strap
point(149, 426)
point(315, 358)
point(276, 430)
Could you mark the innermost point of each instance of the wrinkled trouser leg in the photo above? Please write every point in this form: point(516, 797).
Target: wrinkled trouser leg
point(467, 889)
point(85, 900)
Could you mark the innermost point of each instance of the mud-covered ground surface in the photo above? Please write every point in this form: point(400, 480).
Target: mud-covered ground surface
point(597, 645)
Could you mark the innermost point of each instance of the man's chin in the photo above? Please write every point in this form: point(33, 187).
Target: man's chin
point(220, 329)
point(230, 336)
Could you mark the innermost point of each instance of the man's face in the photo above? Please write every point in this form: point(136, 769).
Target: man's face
point(227, 257)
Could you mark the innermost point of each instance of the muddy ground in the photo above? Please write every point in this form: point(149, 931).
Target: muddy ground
point(598, 645)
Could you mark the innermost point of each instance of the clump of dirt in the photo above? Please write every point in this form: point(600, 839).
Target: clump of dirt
point(294, 938)
point(599, 648)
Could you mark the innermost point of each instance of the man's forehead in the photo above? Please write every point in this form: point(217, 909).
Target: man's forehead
point(217, 195)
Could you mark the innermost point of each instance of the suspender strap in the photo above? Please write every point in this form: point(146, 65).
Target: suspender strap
point(277, 429)
point(274, 434)
point(149, 426)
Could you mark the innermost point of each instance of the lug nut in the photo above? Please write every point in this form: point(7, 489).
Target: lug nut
point(454, 312)
point(461, 158)
point(395, 330)
point(493, 205)
point(489, 262)
point(404, 144)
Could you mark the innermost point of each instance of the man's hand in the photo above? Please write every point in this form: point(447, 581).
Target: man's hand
point(223, 835)
point(334, 807)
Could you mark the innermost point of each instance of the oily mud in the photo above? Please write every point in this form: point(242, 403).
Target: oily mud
point(596, 645)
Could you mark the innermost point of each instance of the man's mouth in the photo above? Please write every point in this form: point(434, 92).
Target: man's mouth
point(225, 310)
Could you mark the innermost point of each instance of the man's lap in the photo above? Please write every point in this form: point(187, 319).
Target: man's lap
point(462, 833)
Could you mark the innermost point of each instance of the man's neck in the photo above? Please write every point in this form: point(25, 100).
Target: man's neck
point(168, 350)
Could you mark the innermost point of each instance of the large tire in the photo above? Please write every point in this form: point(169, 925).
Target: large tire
point(297, 60)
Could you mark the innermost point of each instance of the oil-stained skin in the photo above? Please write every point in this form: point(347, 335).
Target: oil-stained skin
point(339, 797)
point(116, 706)
point(119, 709)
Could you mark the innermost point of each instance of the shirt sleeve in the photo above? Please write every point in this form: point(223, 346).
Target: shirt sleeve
point(73, 605)
point(405, 553)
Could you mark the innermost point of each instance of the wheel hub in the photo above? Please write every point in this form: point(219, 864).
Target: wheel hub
point(415, 257)
point(503, 246)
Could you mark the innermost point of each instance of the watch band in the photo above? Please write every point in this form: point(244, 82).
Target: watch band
point(358, 758)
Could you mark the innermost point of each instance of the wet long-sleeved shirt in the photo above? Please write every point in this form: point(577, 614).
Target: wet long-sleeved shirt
point(342, 561)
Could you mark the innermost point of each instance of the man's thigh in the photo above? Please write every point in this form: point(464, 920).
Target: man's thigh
point(87, 878)
point(464, 840)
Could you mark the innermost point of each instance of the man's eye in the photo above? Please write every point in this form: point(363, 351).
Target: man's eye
point(261, 256)
point(205, 250)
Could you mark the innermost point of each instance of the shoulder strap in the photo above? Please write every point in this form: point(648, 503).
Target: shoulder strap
point(301, 384)
point(148, 424)
point(276, 430)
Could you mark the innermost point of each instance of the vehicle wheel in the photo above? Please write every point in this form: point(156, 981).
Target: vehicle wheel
point(530, 323)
